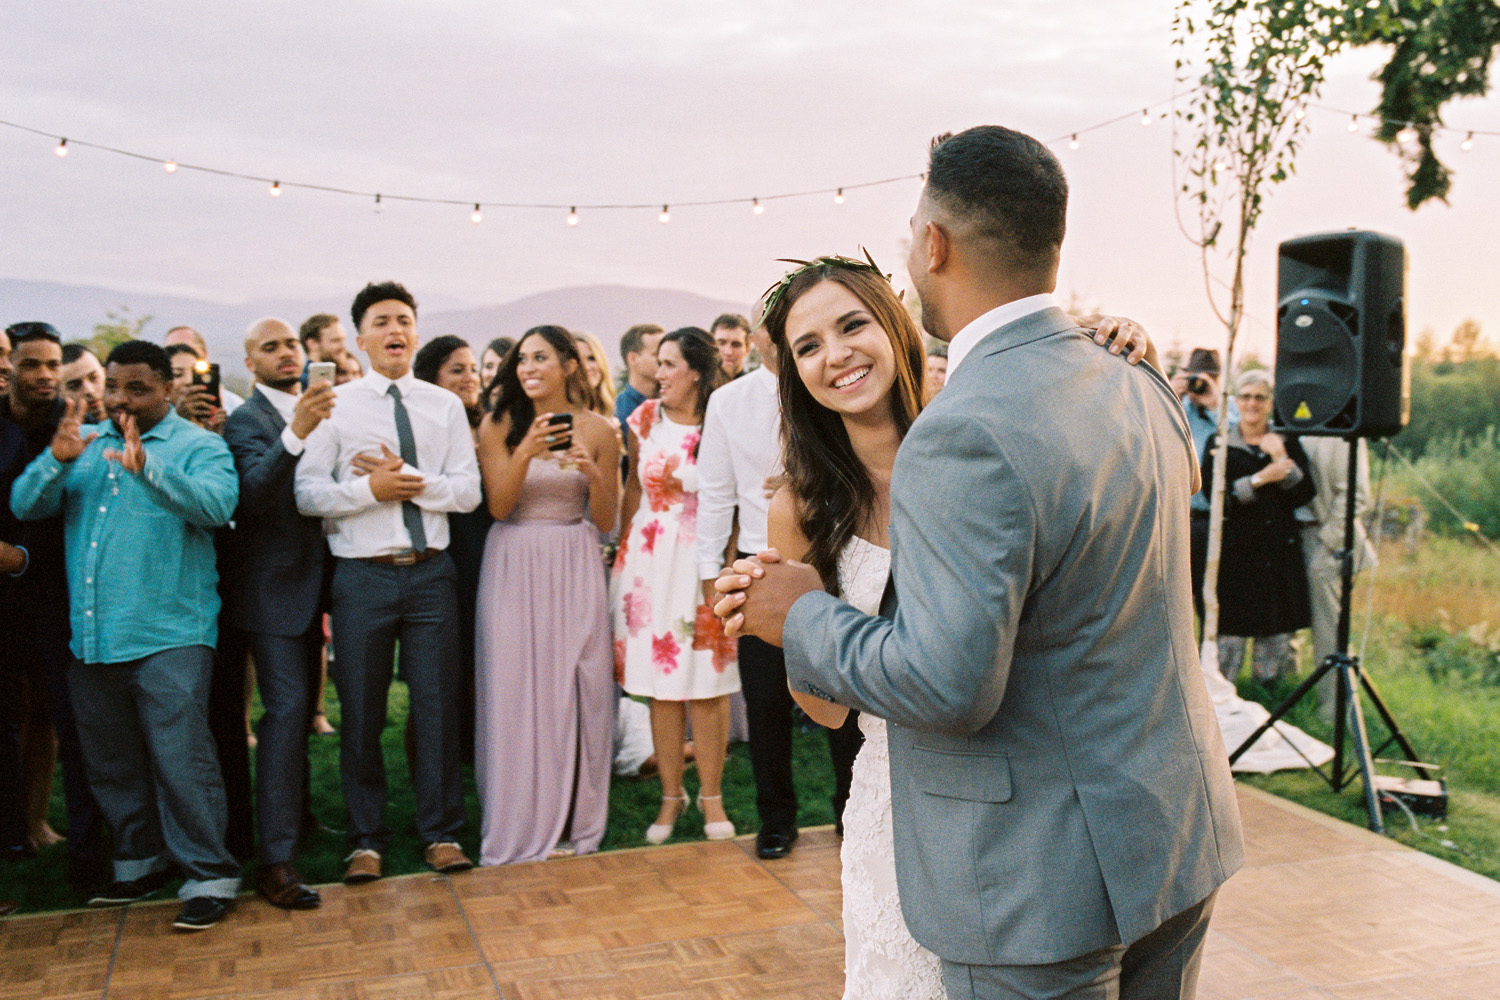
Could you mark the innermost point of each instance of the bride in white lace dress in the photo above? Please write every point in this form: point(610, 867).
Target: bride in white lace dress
point(850, 383)
point(851, 375)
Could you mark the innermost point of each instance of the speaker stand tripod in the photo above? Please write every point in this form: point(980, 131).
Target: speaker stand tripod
point(1349, 719)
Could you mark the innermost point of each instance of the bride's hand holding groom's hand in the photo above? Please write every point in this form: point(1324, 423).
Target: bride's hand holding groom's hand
point(758, 593)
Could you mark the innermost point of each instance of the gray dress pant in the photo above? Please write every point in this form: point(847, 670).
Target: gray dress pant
point(143, 726)
point(374, 606)
point(286, 671)
point(1163, 965)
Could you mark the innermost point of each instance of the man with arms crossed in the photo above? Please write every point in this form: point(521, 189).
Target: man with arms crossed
point(1063, 809)
point(390, 464)
point(276, 590)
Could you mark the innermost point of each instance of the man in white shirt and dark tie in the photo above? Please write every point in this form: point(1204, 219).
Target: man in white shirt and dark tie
point(739, 451)
point(386, 469)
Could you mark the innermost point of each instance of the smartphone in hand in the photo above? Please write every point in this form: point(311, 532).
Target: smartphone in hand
point(563, 422)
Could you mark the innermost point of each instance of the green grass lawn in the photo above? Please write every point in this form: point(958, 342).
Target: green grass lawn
point(40, 883)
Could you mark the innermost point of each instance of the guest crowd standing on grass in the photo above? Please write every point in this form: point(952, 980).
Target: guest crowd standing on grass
point(188, 534)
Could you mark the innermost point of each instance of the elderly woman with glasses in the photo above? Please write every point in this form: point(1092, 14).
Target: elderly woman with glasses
point(1262, 578)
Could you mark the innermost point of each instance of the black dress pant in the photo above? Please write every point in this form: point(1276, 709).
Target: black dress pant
point(768, 707)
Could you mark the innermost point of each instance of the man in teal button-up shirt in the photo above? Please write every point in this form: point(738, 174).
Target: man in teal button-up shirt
point(140, 496)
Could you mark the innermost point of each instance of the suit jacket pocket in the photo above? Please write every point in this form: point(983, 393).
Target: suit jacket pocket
point(972, 777)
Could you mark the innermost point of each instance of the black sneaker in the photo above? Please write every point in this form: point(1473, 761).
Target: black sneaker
point(120, 893)
point(202, 912)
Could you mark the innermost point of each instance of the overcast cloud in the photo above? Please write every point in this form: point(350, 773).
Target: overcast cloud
point(579, 103)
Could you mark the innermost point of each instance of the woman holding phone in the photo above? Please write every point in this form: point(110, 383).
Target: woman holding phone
point(544, 718)
point(669, 647)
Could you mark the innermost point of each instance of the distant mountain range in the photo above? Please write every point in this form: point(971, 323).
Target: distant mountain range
point(603, 310)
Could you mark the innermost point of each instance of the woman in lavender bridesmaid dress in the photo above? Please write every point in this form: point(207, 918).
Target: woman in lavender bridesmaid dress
point(544, 686)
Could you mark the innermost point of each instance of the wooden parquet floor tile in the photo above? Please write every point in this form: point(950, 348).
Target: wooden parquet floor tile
point(1322, 911)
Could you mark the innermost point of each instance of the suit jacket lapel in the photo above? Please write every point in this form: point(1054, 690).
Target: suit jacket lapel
point(268, 410)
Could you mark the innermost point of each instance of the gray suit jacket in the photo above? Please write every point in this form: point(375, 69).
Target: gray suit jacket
point(1058, 779)
point(276, 575)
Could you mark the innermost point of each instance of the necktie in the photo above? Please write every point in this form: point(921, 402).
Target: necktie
point(410, 512)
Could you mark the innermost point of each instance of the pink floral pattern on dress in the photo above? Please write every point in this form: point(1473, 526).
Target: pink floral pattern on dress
point(638, 607)
point(659, 481)
point(664, 650)
point(708, 633)
point(649, 534)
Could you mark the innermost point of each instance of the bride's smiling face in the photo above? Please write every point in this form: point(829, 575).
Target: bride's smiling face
point(843, 356)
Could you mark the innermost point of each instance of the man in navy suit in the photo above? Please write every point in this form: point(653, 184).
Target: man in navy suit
point(276, 591)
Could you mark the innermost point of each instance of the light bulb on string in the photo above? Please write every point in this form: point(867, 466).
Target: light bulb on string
point(61, 149)
point(170, 166)
point(757, 207)
point(378, 205)
point(838, 197)
point(1354, 123)
point(573, 215)
point(275, 189)
point(1407, 134)
point(1145, 118)
point(1468, 143)
point(665, 216)
point(476, 216)
point(1301, 112)
point(1073, 142)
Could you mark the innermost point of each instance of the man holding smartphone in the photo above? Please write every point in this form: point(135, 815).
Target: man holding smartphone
point(394, 460)
point(277, 590)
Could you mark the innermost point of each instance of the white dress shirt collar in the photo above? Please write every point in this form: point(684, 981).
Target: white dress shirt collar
point(960, 346)
point(285, 402)
point(382, 385)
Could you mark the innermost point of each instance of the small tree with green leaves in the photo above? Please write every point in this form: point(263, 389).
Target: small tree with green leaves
point(119, 326)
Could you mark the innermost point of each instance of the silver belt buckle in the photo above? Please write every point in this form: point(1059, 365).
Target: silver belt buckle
point(405, 558)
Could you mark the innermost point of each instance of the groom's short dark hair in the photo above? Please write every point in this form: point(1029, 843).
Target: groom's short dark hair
point(1008, 187)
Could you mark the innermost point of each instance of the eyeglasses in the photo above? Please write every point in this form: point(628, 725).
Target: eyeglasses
point(1262, 397)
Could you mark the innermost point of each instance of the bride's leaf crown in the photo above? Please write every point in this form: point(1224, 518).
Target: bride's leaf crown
point(773, 295)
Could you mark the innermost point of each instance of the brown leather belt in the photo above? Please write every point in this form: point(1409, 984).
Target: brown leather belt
point(408, 558)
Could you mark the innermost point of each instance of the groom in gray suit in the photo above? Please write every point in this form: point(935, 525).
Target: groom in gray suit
point(1063, 808)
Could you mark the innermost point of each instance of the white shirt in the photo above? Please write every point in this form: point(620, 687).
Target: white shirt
point(364, 419)
point(740, 449)
point(960, 346)
point(286, 405)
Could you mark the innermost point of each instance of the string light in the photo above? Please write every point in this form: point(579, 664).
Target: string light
point(476, 216)
point(1406, 134)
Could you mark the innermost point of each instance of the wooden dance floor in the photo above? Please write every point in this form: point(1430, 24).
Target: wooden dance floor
point(1322, 910)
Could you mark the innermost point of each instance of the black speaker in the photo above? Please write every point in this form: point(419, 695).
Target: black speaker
point(1341, 335)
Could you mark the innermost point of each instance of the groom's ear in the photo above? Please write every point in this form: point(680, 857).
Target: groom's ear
point(938, 246)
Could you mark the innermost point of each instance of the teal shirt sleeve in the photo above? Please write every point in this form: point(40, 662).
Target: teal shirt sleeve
point(201, 487)
point(38, 492)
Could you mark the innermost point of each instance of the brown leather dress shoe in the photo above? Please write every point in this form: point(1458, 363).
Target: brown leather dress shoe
point(447, 858)
point(282, 886)
point(364, 866)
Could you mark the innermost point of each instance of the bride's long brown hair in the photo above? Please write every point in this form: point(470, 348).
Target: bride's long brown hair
point(834, 491)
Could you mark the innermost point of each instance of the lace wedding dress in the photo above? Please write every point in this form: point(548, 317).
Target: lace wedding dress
point(881, 961)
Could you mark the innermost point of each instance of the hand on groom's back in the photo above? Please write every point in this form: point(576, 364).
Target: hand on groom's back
point(759, 592)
